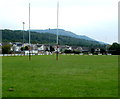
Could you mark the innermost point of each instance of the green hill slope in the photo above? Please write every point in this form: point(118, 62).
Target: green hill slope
point(46, 38)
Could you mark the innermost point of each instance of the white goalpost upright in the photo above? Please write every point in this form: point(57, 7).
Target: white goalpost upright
point(57, 18)
point(57, 28)
point(29, 22)
point(29, 34)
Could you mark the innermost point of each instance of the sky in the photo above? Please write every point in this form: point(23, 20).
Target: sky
point(97, 19)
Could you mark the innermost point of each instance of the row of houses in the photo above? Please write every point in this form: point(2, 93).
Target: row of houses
point(40, 48)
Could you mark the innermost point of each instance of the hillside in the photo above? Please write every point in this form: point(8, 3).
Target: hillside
point(46, 38)
point(63, 33)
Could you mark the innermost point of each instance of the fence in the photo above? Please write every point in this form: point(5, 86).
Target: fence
point(45, 54)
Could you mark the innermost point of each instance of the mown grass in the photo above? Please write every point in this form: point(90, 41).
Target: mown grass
point(70, 76)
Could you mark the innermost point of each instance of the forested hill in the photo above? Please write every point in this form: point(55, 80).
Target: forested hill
point(46, 38)
point(63, 32)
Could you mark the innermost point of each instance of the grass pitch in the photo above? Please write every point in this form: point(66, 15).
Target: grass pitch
point(70, 76)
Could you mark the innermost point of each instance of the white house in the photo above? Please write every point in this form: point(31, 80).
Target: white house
point(32, 52)
point(16, 47)
point(40, 47)
point(97, 49)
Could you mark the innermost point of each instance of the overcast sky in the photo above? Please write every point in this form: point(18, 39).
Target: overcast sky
point(97, 19)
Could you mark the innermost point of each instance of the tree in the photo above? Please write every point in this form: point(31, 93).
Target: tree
point(46, 49)
point(26, 48)
point(92, 50)
point(115, 49)
point(22, 48)
point(103, 51)
point(51, 49)
point(6, 49)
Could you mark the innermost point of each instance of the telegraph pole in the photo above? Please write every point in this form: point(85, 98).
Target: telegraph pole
point(23, 37)
point(23, 32)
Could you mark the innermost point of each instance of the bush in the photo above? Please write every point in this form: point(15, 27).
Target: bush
point(6, 49)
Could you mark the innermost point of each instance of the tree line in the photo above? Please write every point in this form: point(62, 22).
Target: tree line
point(46, 38)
